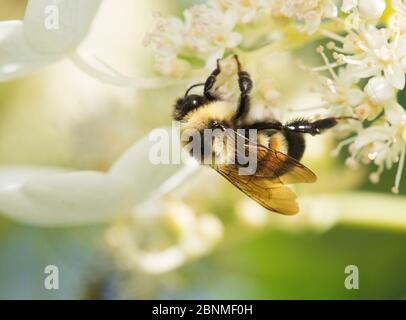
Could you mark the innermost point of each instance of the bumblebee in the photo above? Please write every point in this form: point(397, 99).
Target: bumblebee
point(278, 147)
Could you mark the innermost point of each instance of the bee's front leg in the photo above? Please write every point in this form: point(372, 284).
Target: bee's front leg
point(210, 81)
point(245, 84)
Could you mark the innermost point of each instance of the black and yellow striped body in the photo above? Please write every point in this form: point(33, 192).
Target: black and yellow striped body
point(290, 143)
point(213, 113)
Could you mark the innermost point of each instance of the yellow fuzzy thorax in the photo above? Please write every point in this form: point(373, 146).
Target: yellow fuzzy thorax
point(199, 119)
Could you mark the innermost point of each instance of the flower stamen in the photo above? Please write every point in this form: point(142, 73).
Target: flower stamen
point(399, 172)
point(328, 65)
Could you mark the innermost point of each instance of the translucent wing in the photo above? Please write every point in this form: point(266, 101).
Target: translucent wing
point(272, 196)
point(275, 165)
point(266, 184)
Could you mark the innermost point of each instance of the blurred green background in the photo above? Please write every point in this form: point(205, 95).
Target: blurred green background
point(66, 128)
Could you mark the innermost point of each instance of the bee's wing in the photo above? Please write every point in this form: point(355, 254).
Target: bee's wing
point(276, 165)
point(271, 195)
point(270, 163)
point(266, 184)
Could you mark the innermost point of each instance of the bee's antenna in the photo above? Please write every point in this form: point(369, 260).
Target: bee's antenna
point(194, 86)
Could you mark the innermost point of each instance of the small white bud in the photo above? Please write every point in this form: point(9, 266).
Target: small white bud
point(379, 90)
point(371, 9)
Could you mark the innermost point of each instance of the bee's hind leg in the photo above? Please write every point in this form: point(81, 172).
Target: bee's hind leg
point(315, 127)
point(245, 84)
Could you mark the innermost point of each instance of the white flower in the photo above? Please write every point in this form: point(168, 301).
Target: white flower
point(378, 94)
point(368, 9)
point(210, 31)
point(205, 34)
point(167, 39)
point(51, 196)
point(42, 39)
point(31, 44)
point(378, 52)
point(383, 144)
point(342, 93)
point(243, 10)
point(309, 13)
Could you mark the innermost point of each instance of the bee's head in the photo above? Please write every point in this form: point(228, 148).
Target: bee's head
point(186, 104)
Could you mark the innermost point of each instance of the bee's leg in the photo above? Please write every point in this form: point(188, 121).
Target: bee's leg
point(315, 127)
point(245, 84)
point(210, 81)
point(264, 125)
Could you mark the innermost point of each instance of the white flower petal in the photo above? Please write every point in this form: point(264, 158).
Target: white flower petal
point(395, 113)
point(355, 96)
point(15, 176)
point(136, 166)
point(50, 197)
point(394, 74)
point(17, 58)
point(69, 198)
point(365, 71)
point(371, 9)
point(348, 5)
point(329, 9)
point(312, 22)
point(401, 46)
point(399, 6)
point(58, 26)
point(372, 134)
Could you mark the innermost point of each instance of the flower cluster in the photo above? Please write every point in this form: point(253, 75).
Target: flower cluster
point(208, 30)
point(205, 34)
point(364, 60)
point(367, 73)
point(183, 235)
point(309, 14)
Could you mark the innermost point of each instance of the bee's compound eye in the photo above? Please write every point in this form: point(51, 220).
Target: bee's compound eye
point(189, 103)
point(193, 102)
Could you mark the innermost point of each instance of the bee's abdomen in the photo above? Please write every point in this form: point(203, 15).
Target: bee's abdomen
point(296, 144)
point(290, 143)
